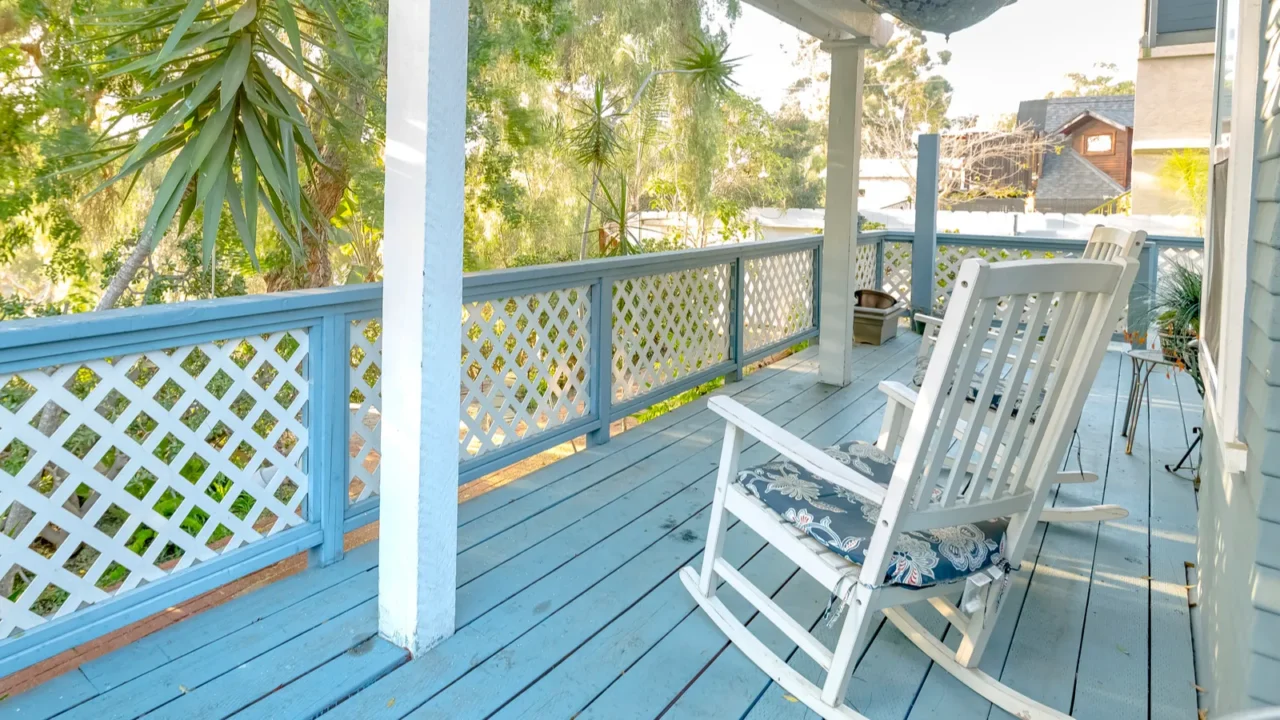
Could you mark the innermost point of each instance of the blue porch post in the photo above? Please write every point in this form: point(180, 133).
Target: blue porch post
point(601, 371)
point(924, 246)
point(1142, 296)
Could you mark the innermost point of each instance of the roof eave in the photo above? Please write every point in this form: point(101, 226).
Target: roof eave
point(831, 20)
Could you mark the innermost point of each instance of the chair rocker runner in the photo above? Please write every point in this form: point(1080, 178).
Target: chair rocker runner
point(1104, 244)
point(881, 533)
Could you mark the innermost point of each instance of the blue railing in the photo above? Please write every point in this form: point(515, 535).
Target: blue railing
point(892, 265)
point(148, 455)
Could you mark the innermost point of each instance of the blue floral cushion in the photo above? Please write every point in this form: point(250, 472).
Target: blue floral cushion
point(844, 522)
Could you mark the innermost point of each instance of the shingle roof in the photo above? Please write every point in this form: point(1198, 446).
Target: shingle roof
point(1068, 176)
point(1052, 113)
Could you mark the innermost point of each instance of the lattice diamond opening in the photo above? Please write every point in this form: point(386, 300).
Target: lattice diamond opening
point(364, 404)
point(778, 300)
point(668, 326)
point(525, 367)
point(864, 274)
point(949, 257)
point(897, 270)
point(120, 471)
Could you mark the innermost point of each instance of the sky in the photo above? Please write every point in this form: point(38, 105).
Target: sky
point(1020, 53)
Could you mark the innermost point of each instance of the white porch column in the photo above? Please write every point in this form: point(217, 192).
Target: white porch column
point(839, 247)
point(421, 337)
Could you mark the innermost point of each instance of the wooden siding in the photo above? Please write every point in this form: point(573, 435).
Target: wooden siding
point(1240, 513)
point(1118, 164)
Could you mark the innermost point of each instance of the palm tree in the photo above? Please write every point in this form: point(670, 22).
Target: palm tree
point(214, 101)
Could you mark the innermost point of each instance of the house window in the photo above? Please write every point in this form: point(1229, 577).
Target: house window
point(1102, 144)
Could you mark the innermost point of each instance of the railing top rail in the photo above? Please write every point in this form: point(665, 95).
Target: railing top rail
point(1021, 241)
point(491, 283)
point(248, 310)
point(20, 340)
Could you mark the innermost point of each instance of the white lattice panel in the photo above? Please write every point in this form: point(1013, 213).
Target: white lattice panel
point(668, 326)
point(779, 298)
point(1192, 258)
point(364, 421)
point(864, 274)
point(897, 270)
point(120, 471)
point(525, 366)
point(949, 258)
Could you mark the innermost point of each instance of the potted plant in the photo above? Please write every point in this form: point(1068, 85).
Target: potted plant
point(875, 316)
point(1177, 317)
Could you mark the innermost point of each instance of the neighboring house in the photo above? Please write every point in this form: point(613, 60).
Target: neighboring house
point(1238, 569)
point(883, 182)
point(1174, 98)
point(1089, 160)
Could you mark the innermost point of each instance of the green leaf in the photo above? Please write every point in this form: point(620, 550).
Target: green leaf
point(180, 28)
point(237, 64)
point(218, 156)
point(247, 239)
point(216, 192)
point(216, 31)
point(290, 23)
point(188, 207)
point(211, 131)
point(289, 102)
point(244, 15)
point(263, 151)
point(290, 154)
point(169, 196)
point(249, 181)
point(332, 13)
point(175, 115)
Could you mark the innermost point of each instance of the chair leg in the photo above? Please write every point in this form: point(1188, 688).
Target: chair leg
point(857, 622)
point(981, 622)
point(892, 427)
point(729, 454)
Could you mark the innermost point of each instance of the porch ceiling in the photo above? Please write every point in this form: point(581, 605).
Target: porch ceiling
point(830, 20)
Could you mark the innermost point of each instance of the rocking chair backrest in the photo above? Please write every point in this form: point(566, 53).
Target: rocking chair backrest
point(1108, 243)
point(969, 456)
point(1105, 243)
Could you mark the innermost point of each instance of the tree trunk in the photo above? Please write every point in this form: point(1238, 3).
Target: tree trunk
point(124, 276)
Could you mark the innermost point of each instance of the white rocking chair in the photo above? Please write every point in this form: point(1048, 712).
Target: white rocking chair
point(1104, 244)
point(880, 534)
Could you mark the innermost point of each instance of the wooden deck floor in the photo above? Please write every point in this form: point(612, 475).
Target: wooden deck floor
point(568, 603)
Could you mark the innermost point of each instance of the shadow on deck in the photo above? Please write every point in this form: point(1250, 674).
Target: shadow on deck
point(569, 605)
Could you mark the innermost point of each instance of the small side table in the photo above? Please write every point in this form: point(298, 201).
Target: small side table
point(1144, 363)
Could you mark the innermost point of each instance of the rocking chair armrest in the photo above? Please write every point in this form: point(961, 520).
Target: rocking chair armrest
point(932, 320)
point(899, 393)
point(796, 450)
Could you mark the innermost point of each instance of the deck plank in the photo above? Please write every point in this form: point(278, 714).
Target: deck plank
point(329, 684)
point(250, 681)
point(1113, 650)
point(1045, 649)
point(170, 681)
point(1173, 544)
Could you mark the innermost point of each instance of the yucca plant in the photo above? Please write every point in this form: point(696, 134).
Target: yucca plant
point(224, 92)
point(595, 139)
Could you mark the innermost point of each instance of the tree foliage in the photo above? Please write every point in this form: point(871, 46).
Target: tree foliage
point(1104, 82)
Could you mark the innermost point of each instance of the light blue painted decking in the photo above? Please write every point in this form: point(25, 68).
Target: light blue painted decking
point(568, 604)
